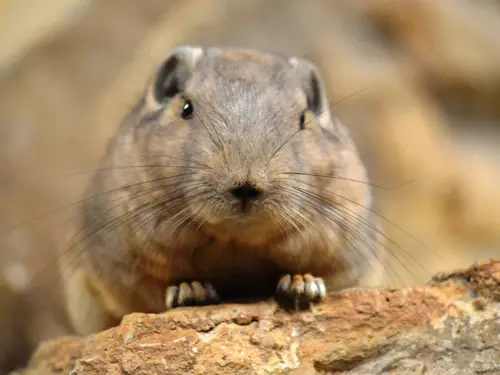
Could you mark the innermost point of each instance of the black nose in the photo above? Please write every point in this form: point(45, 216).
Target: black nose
point(246, 192)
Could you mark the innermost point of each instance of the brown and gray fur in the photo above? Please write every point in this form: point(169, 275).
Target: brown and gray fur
point(170, 232)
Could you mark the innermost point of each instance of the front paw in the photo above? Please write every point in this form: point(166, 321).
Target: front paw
point(302, 289)
point(191, 294)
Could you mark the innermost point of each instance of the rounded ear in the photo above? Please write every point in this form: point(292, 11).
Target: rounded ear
point(174, 72)
point(312, 85)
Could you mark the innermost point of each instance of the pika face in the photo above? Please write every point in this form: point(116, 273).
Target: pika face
point(253, 130)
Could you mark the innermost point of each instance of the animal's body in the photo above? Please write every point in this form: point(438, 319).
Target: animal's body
point(229, 178)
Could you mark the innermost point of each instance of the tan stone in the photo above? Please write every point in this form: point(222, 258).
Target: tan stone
point(450, 326)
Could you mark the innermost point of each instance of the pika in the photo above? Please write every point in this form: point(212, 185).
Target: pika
point(229, 178)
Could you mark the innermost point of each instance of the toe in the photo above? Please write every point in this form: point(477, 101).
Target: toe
point(311, 290)
point(321, 288)
point(185, 297)
point(171, 296)
point(298, 286)
point(199, 295)
point(211, 293)
point(284, 284)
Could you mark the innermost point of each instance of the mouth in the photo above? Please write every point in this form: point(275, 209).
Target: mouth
point(240, 216)
point(243, 212)
point(245, 208)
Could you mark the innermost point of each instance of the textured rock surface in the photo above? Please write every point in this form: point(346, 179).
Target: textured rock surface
point(450, 326)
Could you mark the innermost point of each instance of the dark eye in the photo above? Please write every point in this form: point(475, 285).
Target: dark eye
point(302, 120)
point(187, 110)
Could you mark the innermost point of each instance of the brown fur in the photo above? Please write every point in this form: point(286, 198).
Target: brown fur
point(247, 106)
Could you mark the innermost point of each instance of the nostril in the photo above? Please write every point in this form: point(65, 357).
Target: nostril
point(246, 192)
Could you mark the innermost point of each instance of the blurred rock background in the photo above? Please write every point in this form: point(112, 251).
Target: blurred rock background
point(421, 87)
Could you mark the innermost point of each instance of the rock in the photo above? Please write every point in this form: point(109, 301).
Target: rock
point(450, 326)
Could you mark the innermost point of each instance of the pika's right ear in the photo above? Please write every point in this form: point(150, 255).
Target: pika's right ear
point(174, 72)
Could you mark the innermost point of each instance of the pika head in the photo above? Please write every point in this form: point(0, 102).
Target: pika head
point(244, 145)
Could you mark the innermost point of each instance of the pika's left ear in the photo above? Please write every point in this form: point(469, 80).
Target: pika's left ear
point(171, 77)
point(312, 85)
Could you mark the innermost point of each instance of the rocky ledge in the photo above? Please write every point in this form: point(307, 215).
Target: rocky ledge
point(450, 326)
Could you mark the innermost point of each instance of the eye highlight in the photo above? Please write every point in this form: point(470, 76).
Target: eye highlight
point(187, 110)
point(302, 120)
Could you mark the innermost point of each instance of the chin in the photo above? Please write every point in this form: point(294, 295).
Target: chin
point(248, 228)
point(249, 234)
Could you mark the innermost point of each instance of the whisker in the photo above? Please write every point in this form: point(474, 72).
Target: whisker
point(122, 197)
point(227, 123)
point(331, 216)
point(276, 215)
point(59, 209)
point(224, 119)
point(351, 213)
point(340, 220)
point(157, 216)
point(175, 158)
point(108, 226)
point(314, 118)
point(350, 96)
point(281, 147)
point(187, 199)
point(135, 212)
point(137, 166)
point(353, 180)
point(218, 145)
point(373, 212)
point(291, 219)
